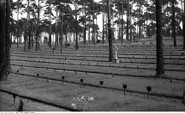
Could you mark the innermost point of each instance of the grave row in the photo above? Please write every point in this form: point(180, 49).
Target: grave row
point(105, 53)
point(104, 59)
point(137, 66)
point(101, 82)
point(22, 97)
point(92, 71)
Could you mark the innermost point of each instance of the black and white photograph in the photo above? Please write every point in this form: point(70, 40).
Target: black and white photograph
point(92, 56)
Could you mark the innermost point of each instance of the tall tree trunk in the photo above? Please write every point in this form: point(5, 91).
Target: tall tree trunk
point(184, 27)
point(122, 22)
point(96, 30)
point(130, 21)
point(76, 26)
point(93, 33)
point(7, 28)
point(159, 38)
point(89, 33)
point(33, 34)
point(128, 10)
point(11, 37)
point(17, 23)
point(56, 30)
point(28, 28)
point(139, 23)
point(66, 39)
point(85, 26)
point(5, 40)
point(119, 31)
point(50, 26)
point(103, 23)
point(109, 33)
point(173, 24)
point(11, 32)
point(130, 35)
point(25, 36)
point(61, 34)
point(38, 22)
point(2, 42)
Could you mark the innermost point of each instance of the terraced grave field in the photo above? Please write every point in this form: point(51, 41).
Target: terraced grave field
point(86, 80)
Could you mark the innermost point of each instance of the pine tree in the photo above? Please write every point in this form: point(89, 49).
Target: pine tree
point(159, 38)
point(5, 39)
point(184, 27)
point(173, 23)
point(109, 33)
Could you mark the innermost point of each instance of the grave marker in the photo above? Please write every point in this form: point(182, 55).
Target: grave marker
point(20, 105)
point(37, 76)
point(171, 80)
point(124, 87)
point(101, 83)
point(14, 96)
point(148, 89)
point(63, 79)
point(81, 81)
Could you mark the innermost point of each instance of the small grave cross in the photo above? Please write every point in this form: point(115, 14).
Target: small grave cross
point(63, 79)
point(124, 87)
point(101, 83)
point(148, 89)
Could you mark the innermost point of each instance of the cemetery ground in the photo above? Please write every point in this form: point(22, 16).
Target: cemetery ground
point(84, 80)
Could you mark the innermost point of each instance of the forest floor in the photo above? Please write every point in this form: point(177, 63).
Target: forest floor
point(72, 80)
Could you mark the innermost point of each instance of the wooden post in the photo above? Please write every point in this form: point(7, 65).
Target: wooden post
point(148, 89)
point(14, 96)
point(101, 83)
point(124, 87)
point(81, 81)
point(63, 79)
point(20, 106)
